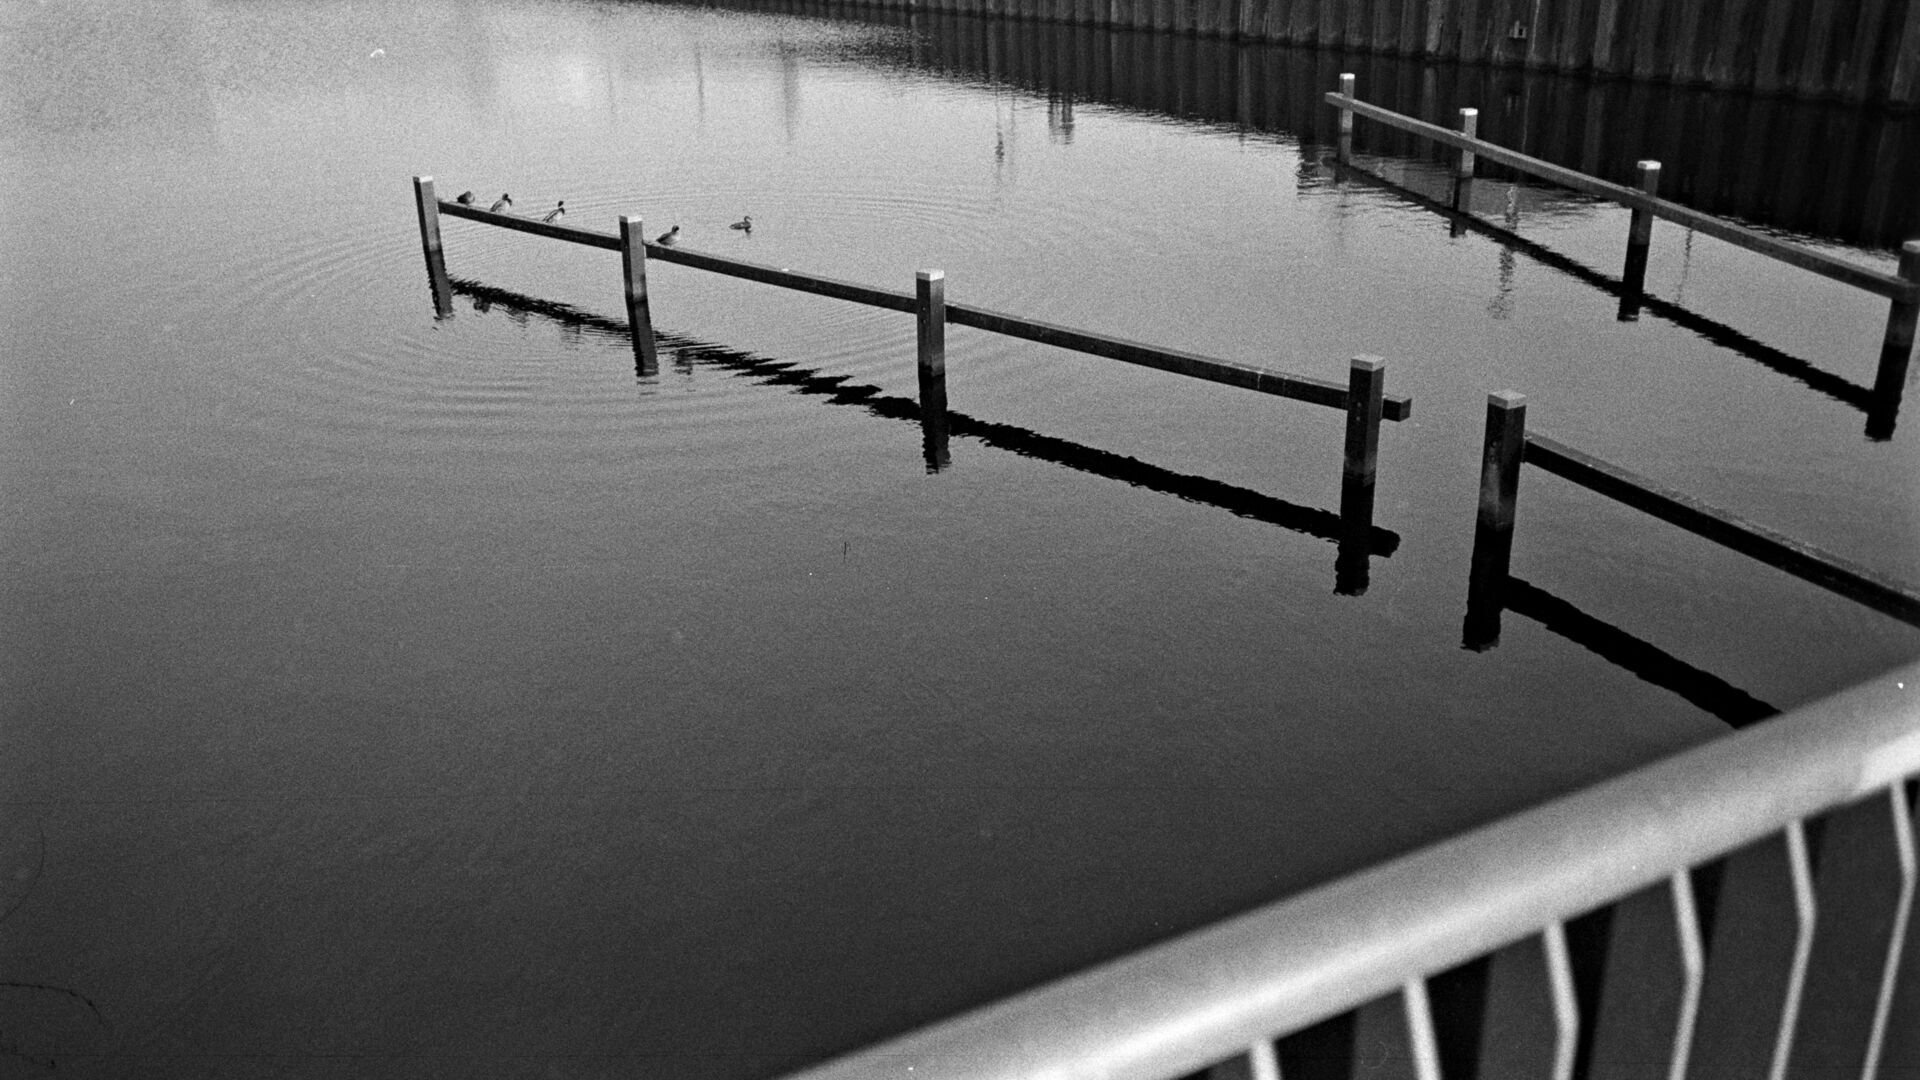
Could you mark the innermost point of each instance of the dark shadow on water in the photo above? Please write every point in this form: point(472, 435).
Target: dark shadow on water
point(839, 390)
point(1648, 662)
point(1879, 407)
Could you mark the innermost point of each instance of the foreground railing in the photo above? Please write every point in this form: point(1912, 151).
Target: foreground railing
point(1740, 909)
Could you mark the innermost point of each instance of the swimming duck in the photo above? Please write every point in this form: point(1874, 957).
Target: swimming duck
point(556, 211)
point(465, 199)
point(505, 202)
point(745, 224)
point(668, 238)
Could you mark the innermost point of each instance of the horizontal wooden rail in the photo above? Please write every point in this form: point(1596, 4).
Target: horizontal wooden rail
point(1280, 384)
point(1891, 286)
point(1857, 583)
point(784, 278)
point(571, 235)
point(1203, 491)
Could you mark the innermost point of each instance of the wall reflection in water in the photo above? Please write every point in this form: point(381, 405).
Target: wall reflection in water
point(1836, 171)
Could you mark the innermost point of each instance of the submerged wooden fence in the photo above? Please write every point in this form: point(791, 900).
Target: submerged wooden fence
point(1508, 445)
point(1363, 398)
point(1902, 289)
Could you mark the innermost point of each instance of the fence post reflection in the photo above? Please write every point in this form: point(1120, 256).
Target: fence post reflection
point(1896, 350)
point(1366, 384)
point(1493, 528)
point(428, 206)
point(930, 320)
point(633, 262)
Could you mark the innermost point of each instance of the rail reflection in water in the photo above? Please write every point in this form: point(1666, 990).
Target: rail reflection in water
point(937, 428)
point(1363, 399)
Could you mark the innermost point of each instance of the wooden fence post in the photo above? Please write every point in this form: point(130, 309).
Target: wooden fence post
point(1639, 237)
point(428, 206)
point(1470, 127)
point(1500, 460)
point(1366, 383)
point(1896, 350)
point(633, 263)
point(930, 321)
point(1345, 150)
point(1640, 228)
point(1463, 169)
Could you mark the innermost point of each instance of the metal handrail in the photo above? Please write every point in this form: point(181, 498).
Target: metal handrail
point(1214, 993)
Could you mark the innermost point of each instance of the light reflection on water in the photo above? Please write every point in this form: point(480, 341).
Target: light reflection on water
point(443, 696)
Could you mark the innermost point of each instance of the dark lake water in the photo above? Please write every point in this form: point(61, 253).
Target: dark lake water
point(387, 696)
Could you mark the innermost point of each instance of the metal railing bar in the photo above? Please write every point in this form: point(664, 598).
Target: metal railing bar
point(1693, 963)
point(1265, 1061)
point(1804, 561)
point(1805, 917)
point(1896, 940)
point(1293, 963)
point(1884, 284)
point(1263, 380)
point(1566, 1008)
point(586, 237)
point(1418, 1010)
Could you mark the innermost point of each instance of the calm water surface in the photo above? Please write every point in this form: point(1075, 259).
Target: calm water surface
point(387, 696)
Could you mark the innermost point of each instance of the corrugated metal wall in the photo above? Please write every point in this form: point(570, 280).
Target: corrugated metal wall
point(1857, 50)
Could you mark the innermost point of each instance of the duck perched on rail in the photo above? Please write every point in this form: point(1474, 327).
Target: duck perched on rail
point(502, 204)
point(556, 212)
point(668, 238)
point(465, 199)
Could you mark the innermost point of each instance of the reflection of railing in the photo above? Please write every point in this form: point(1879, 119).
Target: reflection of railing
point(1363, 398)
point(1509, 444)
point(1902, 289)
point(1740, 909)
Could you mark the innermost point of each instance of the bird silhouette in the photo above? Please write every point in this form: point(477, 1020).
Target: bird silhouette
point(556, 211)
point(465, 199)
point(745, 224)
point(505, 202)
point(668, 238)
